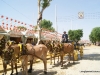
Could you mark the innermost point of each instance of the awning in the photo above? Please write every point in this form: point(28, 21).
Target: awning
point(2, 30)
point(14, 33)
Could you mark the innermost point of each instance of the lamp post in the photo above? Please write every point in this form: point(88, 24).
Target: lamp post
point(71, 25)
point(56, 21)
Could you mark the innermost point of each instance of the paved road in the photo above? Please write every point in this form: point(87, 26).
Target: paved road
point(89, 65)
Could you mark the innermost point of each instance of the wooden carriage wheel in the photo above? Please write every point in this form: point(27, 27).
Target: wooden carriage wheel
point(75, 55)
point(81, 51)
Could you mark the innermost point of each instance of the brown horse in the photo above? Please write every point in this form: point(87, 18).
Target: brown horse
point(9, 56)
point(2, 43)
point(50, 45)
point(56, 50)
point(64, 48)
point(68, 48)
point(32, 53)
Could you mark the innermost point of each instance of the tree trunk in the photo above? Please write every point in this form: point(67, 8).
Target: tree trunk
point(39, 19)
point(38, 22)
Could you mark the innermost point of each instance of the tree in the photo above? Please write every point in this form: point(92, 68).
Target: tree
point(47, 25)
point(95, 35)
point(51, 29)
point(21, 28)
point(75, 35)
point(42, 5)
point(92, 39)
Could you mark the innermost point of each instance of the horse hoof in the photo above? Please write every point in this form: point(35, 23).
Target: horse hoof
point(17, 73)
point(61, 66)
point(11, 74)
point(30, 71)
point(45, 72)
point(73, 62)
point(20, 69)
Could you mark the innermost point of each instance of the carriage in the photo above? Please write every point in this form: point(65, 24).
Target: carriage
point(12, 51)
point(78, 47)
point(19, 37)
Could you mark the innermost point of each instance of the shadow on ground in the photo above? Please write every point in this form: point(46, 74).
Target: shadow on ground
point(66, 66)
point(39, 72)
point(91, 57)
point(86, 49)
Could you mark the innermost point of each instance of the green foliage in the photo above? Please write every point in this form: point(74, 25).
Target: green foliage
point(95, 34)
point(45, 3)
point(92, 39)
point(42, 5)
point(35, 28)
point(51, 29)
point(21, 27)
point(46, 24)
point(75, 35)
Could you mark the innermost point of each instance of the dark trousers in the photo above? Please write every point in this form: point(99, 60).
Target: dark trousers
point(64, 41)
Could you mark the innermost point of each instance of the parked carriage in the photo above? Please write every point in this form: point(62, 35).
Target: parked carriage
point(78, 47)
point(19, 37)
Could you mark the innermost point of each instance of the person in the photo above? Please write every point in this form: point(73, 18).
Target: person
point(64, 37)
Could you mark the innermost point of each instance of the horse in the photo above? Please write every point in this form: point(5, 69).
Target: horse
point(64, 48)
point(32, 53)
point(10, 55)
point(2, 44)
point(51, 49)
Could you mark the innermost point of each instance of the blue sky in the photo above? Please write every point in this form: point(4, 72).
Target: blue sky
point(67, 13)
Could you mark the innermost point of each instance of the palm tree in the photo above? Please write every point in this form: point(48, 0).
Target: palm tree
point(42, 5)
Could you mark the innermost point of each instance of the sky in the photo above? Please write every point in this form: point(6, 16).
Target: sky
point(62, 13)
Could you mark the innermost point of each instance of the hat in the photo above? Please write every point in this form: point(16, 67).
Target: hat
point(64, 31)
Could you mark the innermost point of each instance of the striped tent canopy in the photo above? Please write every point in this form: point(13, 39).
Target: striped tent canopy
point(2, 30)
point(48, 35)
point(1, 36)
point(14, 33)
point(30, 33)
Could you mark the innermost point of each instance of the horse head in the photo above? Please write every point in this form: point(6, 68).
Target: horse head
point(2, 44)
point(7, 54)
point(49, 45)
point(24, 49)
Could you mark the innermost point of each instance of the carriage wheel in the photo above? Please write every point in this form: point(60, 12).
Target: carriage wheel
point(81, 52)
point(75, 55)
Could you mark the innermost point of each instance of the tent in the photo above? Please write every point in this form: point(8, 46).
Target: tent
point(2, 31)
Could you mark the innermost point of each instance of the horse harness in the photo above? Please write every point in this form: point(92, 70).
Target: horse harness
point(29, 53)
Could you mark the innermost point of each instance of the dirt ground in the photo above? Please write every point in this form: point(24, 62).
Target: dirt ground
point(89, 65)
